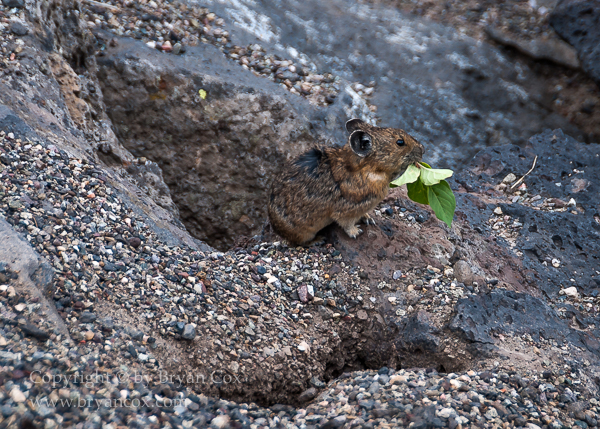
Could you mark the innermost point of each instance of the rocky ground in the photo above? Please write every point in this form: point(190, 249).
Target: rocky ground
point(113, 315)
point(140, 331)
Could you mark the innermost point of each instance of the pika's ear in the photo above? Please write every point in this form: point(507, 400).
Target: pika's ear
point(361, 143)
point(353, 125)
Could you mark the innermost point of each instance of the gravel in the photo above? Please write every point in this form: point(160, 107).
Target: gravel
point(170, 27)
point(74, 219)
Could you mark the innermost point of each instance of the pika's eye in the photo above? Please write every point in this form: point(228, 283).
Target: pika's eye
point(400, 142)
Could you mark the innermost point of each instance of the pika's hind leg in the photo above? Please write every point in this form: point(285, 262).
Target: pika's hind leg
point(349, 225)
point(319, 240)
point(306, 235)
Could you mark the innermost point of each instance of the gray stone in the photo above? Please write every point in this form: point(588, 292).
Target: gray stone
point(419, 333)
point(189, 332)
point(87, 317)
point(307, 395)
point(374, 387)
point(463, 272)
point(18, 28)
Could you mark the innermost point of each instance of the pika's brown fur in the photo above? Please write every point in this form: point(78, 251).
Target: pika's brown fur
point(339, 184)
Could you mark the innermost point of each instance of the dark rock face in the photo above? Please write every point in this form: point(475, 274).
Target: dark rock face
point(578, 22)
point(565, 169)
point(418, 335)
point(511, 313)
point(217, 154)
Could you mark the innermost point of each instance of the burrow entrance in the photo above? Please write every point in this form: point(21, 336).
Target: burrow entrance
point(218, 148)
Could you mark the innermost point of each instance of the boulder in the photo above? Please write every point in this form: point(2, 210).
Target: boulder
point(578, 22)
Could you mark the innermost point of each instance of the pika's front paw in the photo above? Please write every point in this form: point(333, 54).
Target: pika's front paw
point(368, 220)
point(353, 231)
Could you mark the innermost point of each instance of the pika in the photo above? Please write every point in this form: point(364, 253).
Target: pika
point(339, 184)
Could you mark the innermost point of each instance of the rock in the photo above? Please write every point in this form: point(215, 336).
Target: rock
point(419, 334)
point(303, 293)
point(220, 422)
point(189, 332)
point(17, 395)
point(307, 395)
point(34, 331)
point(549, 234)
point(512, 313)
point(13, 3)
point(135, 242)
point(463, 272)
point(445, 413)
point(336, 422)
point(18, 28)
point(15, 204)
point(510, 178)
point(491, 413)
point(578, 22)
point(398, 379)
point(109, 266)
point(545, 48)
point(479, 64)
point(132, 351)
point(107, 323)
point(570, 291)
point(87, 317)
point(199, 288)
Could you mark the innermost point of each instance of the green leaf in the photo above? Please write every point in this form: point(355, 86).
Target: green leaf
point(425, 164)
point(410, 175)
point(417, 192)
point(432, 176)
point(442, 201)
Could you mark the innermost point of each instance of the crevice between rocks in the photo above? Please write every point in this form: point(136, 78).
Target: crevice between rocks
point(217, 153)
